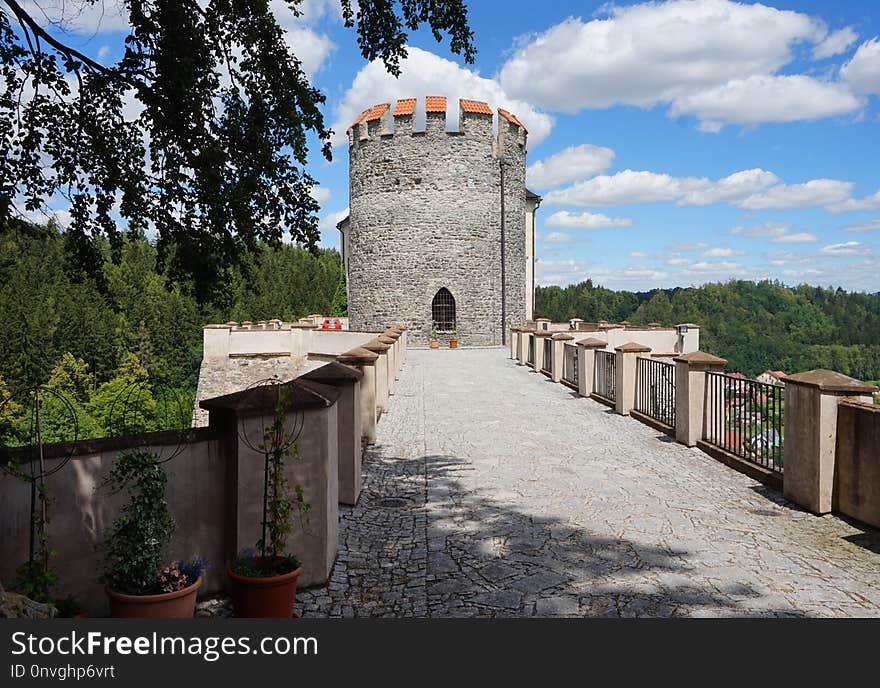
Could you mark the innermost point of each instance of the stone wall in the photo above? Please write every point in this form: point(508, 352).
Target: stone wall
point(426, 213)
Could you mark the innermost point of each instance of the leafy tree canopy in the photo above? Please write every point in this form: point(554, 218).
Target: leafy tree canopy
point(215, 160)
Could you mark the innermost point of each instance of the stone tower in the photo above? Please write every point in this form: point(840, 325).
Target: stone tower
point(440, 229)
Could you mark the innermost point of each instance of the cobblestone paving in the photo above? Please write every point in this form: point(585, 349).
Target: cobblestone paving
point(522, 499)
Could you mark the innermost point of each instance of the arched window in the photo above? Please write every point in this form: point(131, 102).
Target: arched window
point(443, 310)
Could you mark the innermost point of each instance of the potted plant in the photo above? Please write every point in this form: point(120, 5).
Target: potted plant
point(138, 579)
point(453, 340)
point(264, 585)
point(435, 343)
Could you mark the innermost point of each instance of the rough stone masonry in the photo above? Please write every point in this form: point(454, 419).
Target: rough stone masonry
point(426, 213)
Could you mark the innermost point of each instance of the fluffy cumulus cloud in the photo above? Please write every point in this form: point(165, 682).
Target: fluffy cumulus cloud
point(715, 59)
point(750, 189)
point(835, 43)
point(765, 98)
point(871, 226)
point(722, 253)
point(573, 163)
point(569, 220)
point(863, 71)
point(330, 220)
point(796, 238)
point(558, 238)
point(424, 73)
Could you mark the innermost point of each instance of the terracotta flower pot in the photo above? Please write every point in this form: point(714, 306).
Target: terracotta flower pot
point(435, 344)
point(167, 605)
point(453, 343)
point(258, 597)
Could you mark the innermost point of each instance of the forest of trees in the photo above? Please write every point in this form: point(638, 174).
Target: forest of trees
point(91, 338)
point(755, 326)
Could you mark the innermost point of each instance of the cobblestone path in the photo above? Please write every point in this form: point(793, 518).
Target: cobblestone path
point(510, 496)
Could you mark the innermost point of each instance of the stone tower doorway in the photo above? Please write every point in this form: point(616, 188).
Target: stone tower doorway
point(443, 310)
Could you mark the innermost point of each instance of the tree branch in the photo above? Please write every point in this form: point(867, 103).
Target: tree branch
point(38, 31)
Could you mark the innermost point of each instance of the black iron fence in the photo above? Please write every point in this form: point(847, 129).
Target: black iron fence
point(547, 363)
point(570, 373)
point(655, 390)
point(531, 358)
point(606, 374)
point(746, 418)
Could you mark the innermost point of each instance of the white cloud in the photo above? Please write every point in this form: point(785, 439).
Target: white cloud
point(637, 254)
point(767, 229)
point(780, 258)
point(872, 226)
point(812, 194)
point(855, 204)
point(321, 194)
point(84, 18)
point(863, 71)
point(677, 259)
point(558, 238)
point(732, 188)
point(765, 98)
point(310, 47)
point(703, 57)
point(424, 73)
point(561, 271)
point(570, 220)
point(330, 220)
point(623, 188)
point(722, 253)
point(688, 246)
point(849, 248)
point(575, 162)
point(835, 43)
point(797, 238)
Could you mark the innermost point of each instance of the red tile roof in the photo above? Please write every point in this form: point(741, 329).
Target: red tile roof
point(477, 107)
point(512, 119)
point(435, 104)
point(377, 111)
point(405, 106)
point(360, 118)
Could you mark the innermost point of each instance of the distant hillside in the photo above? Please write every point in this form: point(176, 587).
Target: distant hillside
point(755, 326)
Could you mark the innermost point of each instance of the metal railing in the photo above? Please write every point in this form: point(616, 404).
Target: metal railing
point(606, 374)
point(746, 418)
point(547, 363)
point(570, 373)
point(655, 390)
point(531, 358)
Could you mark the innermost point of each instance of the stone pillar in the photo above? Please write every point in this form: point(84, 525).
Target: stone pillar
point(514, 342)
point(690, 394)
point(401, 328)
point(348, 423)
point(587, 363)
point(523, 354)
point(378, 347)
point(559, 343)
point(392, 364)
point(314, 468)
point(540, 336)
point(365, 361)
point(394, 335)
point(811, 401)
point(688, 338)
point(625, 372)
point(542, 324)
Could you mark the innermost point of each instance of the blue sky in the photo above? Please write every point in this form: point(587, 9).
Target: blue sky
point(675, 142)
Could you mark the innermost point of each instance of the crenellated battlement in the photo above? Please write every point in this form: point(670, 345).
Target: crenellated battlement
point(382, 122)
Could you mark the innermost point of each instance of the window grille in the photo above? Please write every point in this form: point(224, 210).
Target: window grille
point(443, 310)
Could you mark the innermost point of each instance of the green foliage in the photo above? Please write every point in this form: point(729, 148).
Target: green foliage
point(138, 540)
point(125, 404)
point(755, 326)
point(339, 306)
point(71, 377)
point(11, 413)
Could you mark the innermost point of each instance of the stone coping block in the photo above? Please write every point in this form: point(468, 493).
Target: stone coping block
point(544, 333)
point(387, 340)
point(334, 372)
point(398, 326)
point(297, 395)
point(562, 336)
point(358, 356)
point(592, 343)
point(831, 382)
point(632, 348)
point(391, 334)
point(697, 358)
point(376, 346)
